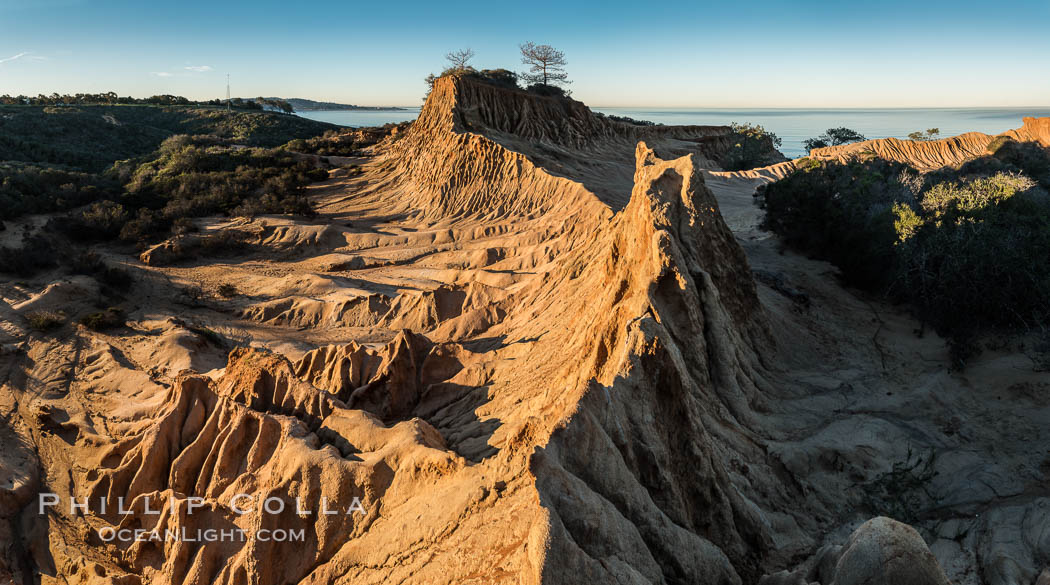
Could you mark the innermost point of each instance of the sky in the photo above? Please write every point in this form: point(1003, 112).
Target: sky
point(730, 53)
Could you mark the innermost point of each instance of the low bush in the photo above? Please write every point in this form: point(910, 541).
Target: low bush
point(504, 78)
point(208, 335)
point(833, 137)
point(499, 77)
point(111, 318)
point(196, 246)
point(842, 213)
point(968, 252)
point(548, 90)
point(56, 158)
point(1027, 157)
point(751, 146)
point(348, 142)
point(627, 120)
point(45, 320)
point(925, 135)
point(34, 188)
point(91, 264)
point(91, 138)
point(193, 177)
point(35, 254)
point(102, 220)
point(973, 253)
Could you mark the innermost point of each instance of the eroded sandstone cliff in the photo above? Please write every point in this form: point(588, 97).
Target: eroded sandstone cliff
point(523, 346)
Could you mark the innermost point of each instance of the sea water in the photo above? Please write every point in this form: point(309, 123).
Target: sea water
point(793, 126)
point(361, 118)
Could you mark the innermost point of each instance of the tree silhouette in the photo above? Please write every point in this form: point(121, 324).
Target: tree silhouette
point(930, 134)
point(460, 58)
point(833, 137)
point(546, 64)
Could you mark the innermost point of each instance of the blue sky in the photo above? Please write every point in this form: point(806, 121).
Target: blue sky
point(731, 53)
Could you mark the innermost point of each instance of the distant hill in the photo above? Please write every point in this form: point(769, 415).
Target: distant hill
point(305, 105)
point(91, 138)
point(56, 158)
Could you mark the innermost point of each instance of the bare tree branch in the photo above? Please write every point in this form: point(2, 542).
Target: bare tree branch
point(460, 58)
point(546, 64)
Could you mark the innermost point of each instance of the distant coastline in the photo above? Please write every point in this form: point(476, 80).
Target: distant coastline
point(360, 117)
point(305, 105)
point(793, 125)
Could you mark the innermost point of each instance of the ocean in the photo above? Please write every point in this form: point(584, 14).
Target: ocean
point(360, 118)
point(791, 125)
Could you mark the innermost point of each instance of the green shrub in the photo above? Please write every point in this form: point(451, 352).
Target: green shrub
point(34, 188)
point(833, 137)
point(111, 318)
point(548, 90)
point(498, 77)
point(88, 262)
point(751, 146)
point(978, 258)
point(65, 154)
point(627, 120)
point(925, 135)
point(208, 335)
point(842, 213)
point(347, 142)
point(115, 278)
point(504, 78)
point(36, 253)
point(91, 264)
point(210, 245)
point(194, 177)
point(45, 320)
point(967, 252)
point(1027, 157)
point(102, 220)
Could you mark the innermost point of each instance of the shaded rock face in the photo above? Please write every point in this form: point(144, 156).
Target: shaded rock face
point(880, 551)
point(885, 551)
point(636, 472)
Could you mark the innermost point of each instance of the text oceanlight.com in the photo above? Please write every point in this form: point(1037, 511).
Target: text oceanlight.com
point(110, 534)
point(240, 504)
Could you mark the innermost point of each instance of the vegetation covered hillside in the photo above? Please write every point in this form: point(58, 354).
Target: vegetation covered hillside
point(90, 138)
point(966, 247)
point(139, 172)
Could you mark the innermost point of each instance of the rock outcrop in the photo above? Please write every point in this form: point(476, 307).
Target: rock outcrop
point(934, 154)
point(880, 551)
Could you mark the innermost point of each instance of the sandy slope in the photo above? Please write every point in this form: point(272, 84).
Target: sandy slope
point(529, 341)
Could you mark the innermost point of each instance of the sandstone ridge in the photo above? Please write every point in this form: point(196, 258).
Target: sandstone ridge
point(522, 345)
